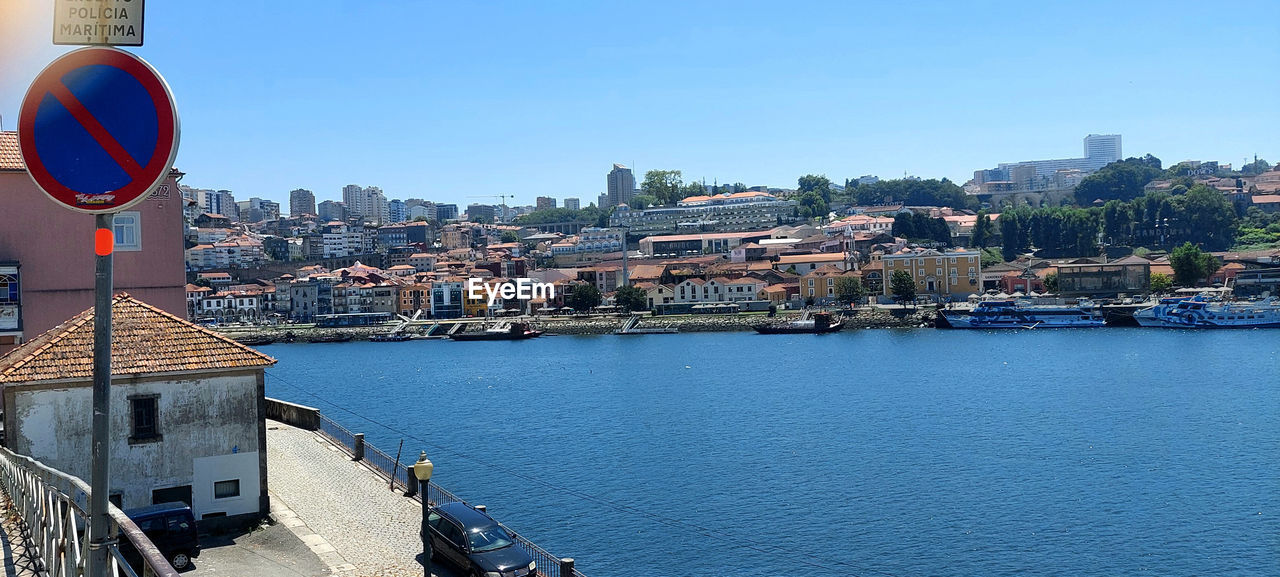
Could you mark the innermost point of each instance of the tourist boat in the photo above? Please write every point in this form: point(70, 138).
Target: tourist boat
point(390, 337)
point(256, 341)
point(501, 331)
point(1013, 314)
point(333, 338)
point(817, 323)
point(1199, 312)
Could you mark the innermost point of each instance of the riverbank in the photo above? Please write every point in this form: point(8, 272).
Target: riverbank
point(861, 318)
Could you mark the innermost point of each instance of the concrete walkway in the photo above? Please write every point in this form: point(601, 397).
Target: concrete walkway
point(343, 511)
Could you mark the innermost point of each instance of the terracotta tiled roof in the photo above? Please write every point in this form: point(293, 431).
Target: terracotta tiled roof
point(10, 159)
point(144, 340)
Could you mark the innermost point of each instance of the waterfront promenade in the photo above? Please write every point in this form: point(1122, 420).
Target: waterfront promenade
point(341, 510)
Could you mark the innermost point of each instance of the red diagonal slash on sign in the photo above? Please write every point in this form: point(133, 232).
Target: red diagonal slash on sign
point(96, 130)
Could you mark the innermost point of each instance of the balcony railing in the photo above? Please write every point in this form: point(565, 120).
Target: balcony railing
point(53, 507)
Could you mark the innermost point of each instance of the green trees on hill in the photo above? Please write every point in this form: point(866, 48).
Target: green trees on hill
point(1120, 180)
point(817, 184)
point(918, 227)
point(1201, 216)
point(915, 193)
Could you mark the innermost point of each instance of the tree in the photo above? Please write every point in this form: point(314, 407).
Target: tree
point(630, 298)
point(915, 192)
point(982, 230)
point(663, 185)
point(903, 226)
point(849, 289)
point(902, 286)
point(1207, 215)
point(812, 205)
point(642, 201)
point(1191, 265)
point(1121, 180)
point(819, 184)
point(1011, 230)
point(583, 297)
point(510, 236)
point(1161, 283)
point(1255, 168)
point(1051, 282)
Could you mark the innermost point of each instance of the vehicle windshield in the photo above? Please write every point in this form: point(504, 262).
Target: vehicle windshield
point(488, 539)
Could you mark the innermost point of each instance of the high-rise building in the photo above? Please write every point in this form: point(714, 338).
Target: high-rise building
point(397, 210)
point(480, 213)
point(1099, 151)
point(571, 203)
point(354, 199)
point(446, 212)
point(378, 209)
point(622, 185)
point(545, 202)
point(1102, 149)
point(301, 201)
point(221, 202)
point(602, 201)
point(258, 210)
point(330, 211)
point(422, 211)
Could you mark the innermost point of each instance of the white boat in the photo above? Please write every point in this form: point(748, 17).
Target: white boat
point(1013, 314)
point(1199, 312)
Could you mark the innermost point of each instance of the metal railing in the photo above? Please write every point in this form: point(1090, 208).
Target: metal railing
point(402, 474)
point(53, 507)
point(337, 432)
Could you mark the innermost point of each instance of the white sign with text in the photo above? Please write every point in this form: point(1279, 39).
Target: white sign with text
point(98, 22)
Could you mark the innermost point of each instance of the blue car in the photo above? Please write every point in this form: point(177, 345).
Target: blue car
point(475, 543)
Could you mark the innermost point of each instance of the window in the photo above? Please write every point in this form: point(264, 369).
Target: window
point(8, 289)
point(127, 228)
point(226, 489)
point(145, 418)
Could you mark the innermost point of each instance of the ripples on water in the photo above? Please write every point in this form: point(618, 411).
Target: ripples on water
point(887, 452)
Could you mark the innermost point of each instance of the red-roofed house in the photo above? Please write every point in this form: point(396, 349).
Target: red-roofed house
point(187, 409)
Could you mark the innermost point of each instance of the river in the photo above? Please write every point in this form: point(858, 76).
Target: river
point(897, 452)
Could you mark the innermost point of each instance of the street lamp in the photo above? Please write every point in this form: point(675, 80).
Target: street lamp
point(422, 470)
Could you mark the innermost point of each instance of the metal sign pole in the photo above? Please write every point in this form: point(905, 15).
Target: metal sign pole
point(99, 522)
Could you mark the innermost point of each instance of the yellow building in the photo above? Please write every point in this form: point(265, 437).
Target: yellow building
point(951, 274)
point(820, 284)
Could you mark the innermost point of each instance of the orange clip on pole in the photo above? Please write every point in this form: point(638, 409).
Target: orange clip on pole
point(103, 241)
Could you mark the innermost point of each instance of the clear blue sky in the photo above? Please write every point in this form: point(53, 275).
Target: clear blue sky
point(445, 100)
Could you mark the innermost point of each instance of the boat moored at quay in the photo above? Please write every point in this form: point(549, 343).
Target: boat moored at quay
point(1015, 314)
point(816, 323)
point(1200, 312)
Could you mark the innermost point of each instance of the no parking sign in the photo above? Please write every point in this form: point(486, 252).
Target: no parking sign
point(98, 130)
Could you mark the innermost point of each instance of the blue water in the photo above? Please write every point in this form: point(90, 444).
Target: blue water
point(878, 452)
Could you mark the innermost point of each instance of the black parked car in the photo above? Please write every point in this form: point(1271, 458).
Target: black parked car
point(475, 543)
point(172, 528)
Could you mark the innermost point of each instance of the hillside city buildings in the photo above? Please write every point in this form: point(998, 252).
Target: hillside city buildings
point(364, 254)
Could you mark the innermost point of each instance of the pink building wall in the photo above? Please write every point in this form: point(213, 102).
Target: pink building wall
point(54, 247)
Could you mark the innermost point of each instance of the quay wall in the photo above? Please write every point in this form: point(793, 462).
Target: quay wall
point(299, 416)
point(862, 318)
